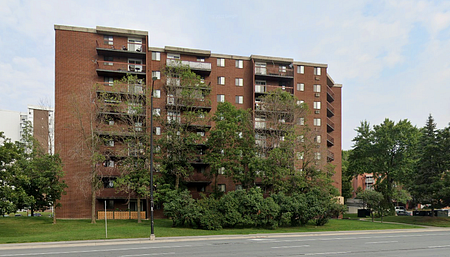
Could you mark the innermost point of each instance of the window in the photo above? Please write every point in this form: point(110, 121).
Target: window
point(316, 88)
point(239, 82)
point(301, 138)
point(108, 182)
point(317, 71)
point(301, 69)
point(156, 74)
point(173, 56)
point(157, 93)
point(300, 102)
point(109, 163)
point(220, 62)
point(260, 68)
point(318, 139)
point(200, 59)
point(221, 80)
point(239, 64)
point(135, 65)
point(156, 56)
point(238, 187)
point(221, 170)
point(134, 44)
point(111, 122)
point(222, 187)
point(173, 116)
point(317, 105)
point(109, 81)
point(317, 156)
point(108, 40)
point(156, 112)
point(138, 126)
point(110, 59)
point(300, 87)
point(220, 98)
point(317, 122)
point(282, 68)
point(301, 121)
point(300, 155)
point(239, 99)
point(110, 143)
point(158, 131)
point(201, 133)
point(260, 86)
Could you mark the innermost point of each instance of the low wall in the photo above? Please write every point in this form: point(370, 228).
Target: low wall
point(120, 215)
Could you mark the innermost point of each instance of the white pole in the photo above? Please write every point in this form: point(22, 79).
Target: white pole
point(106, 224)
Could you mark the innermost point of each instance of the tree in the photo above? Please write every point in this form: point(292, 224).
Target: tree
point(231, 145)
point(427, 179)
point(347, 176)
point(388, 151)
point(183, 122)
point(373, 200)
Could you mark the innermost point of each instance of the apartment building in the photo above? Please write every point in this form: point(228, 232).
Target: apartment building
point(88, 61)
point(40, 118)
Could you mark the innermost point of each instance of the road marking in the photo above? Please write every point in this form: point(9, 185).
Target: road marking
point(382, 242)
point(293, 246)
point(149, 254)
point(327, 253)
point(92, 251)
point(439, 246)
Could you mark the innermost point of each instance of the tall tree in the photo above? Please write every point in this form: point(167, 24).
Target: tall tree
point(231, 145)
point(427, 179)
point(182, 123)
point(347, 176)
point(388, 151)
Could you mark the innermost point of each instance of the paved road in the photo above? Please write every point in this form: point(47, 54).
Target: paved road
point(411, 243)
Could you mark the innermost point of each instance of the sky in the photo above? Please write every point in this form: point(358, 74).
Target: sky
point(392, 57)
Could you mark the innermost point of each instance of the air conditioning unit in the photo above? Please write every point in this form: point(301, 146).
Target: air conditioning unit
point(317, 94)
point(170, 100)
point(317, 78)
point(317, 112)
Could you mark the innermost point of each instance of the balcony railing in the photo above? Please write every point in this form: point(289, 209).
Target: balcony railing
point(274, 70)
point(193, 103)
point(330, 155)
point(330, 125)
point(119, 88)
point(330, 110)
point(330, 94)
point(261, 89)
point(330, 140)
point(132, 49)
point(111, 68)
point(198, 66)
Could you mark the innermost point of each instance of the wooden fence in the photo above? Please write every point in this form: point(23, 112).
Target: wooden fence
point(120, 215)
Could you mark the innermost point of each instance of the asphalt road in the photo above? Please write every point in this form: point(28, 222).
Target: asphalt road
point(411, 243)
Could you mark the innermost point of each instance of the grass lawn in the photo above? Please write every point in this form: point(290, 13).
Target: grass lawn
point(420, 220)
point(41, 229)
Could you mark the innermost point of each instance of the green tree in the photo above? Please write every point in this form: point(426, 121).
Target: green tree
point(427, 179)
point(185, 115)
point(373, 200)
point(388, 151)
point(347, 176)
point(231, 145)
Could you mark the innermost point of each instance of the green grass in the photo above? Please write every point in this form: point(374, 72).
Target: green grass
point(41, 229)
point(419, 220)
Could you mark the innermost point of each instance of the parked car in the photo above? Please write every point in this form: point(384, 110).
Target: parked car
point(403, 213)
point(37, 215)
point(400, 208)
point(18, 215)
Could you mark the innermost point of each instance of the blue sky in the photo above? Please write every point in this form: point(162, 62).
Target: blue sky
point(392, 57)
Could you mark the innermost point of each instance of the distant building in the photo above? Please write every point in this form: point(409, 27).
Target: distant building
point(85, 57)
point(12, 123)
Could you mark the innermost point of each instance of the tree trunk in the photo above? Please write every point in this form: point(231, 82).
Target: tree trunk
point(54, 213)
point(432, 212)
point(93, 221)
point(139, 209)
point(177, 181)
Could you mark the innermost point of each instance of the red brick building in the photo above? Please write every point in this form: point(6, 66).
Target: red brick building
point(85, 57)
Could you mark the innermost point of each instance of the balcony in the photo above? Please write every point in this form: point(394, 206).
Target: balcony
point(174, 102)
point(330, 156)
point(261, 89)
point(120, 69)
point(274, 71)
point(330, 125)
point(330, 110)
point(120, 109)
point(194, 66)
point(330, 140)
point(330, 95)
point(133, 50)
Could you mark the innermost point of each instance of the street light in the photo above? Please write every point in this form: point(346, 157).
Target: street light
point(152, 235)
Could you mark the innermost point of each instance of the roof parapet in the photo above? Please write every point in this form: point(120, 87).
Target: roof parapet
point(272, 59)
point(120, 32)
point(188, 51)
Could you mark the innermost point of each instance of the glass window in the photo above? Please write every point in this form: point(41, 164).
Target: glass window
point(220, 62)
point(300, 87)
point(156, 74)
point(221, 80)
point(173, 56)
point(239, 64)
point(317, 105)
point(317, 122)
point(108, 40)
point(239, 82)
point(157, 93)
point(317, 71)
point(316, 88)
point(301, 69)
point(158, 131)
point(220, 98)
point(239, 99)
point(156, 56)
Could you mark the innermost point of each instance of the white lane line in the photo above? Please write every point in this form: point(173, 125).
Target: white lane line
point(327, 253)
point(262, 239)
point(291, 246)
point(148, 254)
point(92, 251)
point(382, 242)
point(439, 246)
